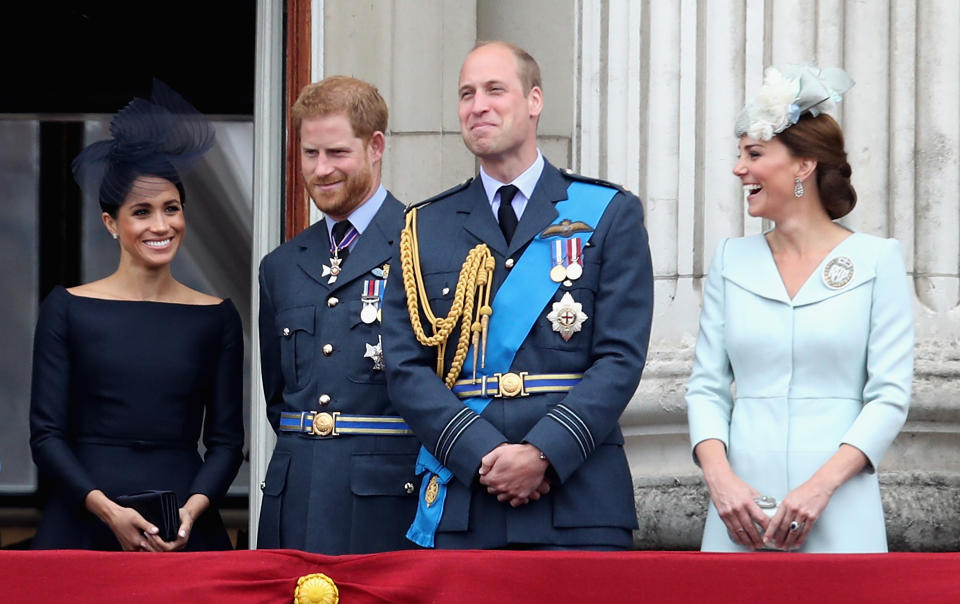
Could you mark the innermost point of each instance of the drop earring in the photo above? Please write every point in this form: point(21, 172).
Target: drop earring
point(797, 188)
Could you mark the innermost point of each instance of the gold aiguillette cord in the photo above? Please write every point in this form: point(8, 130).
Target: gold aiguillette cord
point(472, 291)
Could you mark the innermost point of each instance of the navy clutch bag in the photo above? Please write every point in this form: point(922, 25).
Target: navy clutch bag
point(157, 507)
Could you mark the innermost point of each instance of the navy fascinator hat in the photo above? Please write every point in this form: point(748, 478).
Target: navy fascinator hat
point(162, 137)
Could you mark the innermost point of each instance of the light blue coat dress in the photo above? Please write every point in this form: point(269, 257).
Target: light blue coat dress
point(833, 365)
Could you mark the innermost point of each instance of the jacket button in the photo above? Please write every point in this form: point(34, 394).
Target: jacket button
point(286, 332)
point(333, 301)
point(445, 291)
point(263, 485)
point(508, 263)
point(408, 488)
point(327, 349)
point(324, 399)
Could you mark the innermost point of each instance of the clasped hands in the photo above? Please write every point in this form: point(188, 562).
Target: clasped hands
point(134, 532)
point(749, 525)
point(515, 473)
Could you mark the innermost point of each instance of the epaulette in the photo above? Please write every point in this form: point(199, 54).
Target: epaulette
point(438, 197)
point(594, 181)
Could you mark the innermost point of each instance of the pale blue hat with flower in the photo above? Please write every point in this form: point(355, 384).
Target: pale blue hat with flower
point(788, 92)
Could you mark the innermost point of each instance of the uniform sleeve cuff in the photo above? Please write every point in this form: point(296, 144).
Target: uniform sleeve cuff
point(476, 441)
point(560, 448)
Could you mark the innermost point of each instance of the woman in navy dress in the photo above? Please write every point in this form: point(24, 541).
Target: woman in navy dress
point(131, 370)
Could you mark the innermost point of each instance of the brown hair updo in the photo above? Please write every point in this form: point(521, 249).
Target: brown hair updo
point(821, 138)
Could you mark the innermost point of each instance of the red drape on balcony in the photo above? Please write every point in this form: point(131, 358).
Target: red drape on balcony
point(474, 576)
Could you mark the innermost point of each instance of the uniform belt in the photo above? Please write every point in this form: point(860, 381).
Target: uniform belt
point(324, 424)
point(514, 384)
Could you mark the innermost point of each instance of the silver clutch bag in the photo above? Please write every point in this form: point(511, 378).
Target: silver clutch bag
point(769, 506)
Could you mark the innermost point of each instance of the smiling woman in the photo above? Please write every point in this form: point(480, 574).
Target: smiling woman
point(150, 225)
point(134, 365)
point(813, 325)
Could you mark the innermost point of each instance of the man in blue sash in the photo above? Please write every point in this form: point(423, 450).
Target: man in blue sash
point(518, 334)
point(341, 479)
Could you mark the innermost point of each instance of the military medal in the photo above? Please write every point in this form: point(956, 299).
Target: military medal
point(838, 272)
point(558, 271)
point(574, 258)
point(333, 271)
point(370, 297)
point(375, 353)
point(432, 490)
point(369, 313)
point(567, 316)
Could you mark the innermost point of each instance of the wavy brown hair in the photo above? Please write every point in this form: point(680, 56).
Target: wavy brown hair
point(359, 101)
point(821, 138)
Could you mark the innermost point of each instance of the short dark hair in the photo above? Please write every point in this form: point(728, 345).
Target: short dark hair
point(118, 182)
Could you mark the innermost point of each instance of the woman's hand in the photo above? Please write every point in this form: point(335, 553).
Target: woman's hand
point(131, 529)
point(805, 503)
point(189, 513)
point(802, 505)
point(732, 497)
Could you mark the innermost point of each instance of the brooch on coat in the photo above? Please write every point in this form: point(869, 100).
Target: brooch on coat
point(838, 272)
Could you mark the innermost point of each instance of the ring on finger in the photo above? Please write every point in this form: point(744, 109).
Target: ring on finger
point(796, 526)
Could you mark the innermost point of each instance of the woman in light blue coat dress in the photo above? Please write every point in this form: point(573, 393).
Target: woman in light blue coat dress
point(812, 324)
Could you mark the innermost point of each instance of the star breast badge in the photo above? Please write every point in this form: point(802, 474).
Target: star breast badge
point(567, 316)
point(375, 353)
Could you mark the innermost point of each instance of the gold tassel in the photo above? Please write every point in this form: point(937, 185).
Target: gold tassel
point(472, 291)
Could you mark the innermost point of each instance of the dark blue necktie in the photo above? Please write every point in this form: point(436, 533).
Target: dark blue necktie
point(505, 215)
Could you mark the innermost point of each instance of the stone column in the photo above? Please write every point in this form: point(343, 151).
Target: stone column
point(695, 64)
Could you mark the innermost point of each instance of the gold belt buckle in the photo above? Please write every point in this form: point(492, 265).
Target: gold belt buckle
point(325, 424)
point(510, 385)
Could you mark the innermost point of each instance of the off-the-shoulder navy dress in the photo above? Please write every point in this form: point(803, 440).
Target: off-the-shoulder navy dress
point(121, 393)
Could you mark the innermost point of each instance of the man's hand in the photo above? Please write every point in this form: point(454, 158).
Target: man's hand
point(515, 473)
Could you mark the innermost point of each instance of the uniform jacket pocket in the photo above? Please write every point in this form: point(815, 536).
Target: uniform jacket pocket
point(599, 494)
point(583, 291)
point(295, 328)
point(360, 348)
point(375, 474)
point(276, 480)
point(440, 289)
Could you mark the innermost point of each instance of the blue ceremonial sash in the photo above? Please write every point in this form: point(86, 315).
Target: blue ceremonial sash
point(522, 297)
